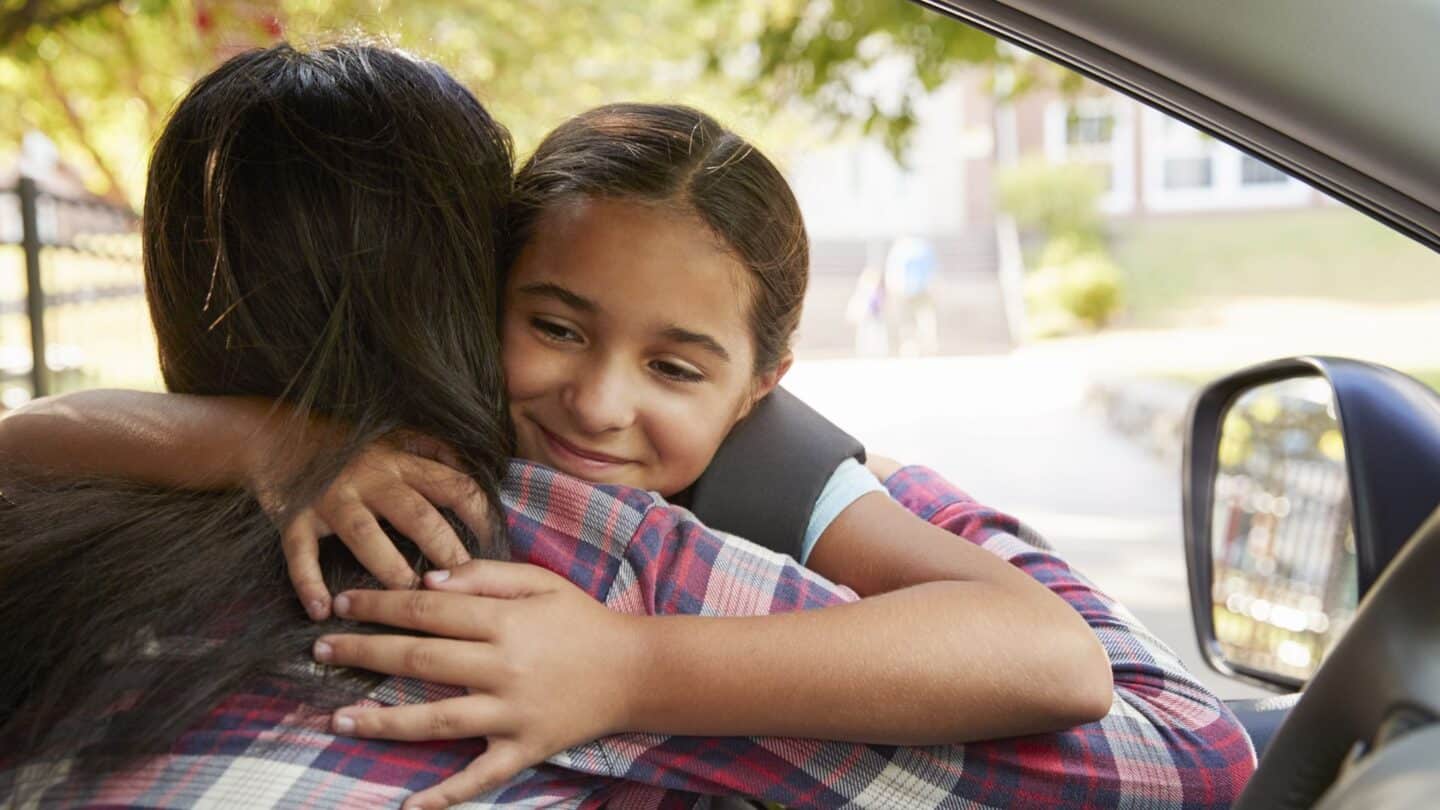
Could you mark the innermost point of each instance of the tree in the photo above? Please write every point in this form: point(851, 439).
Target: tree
point(17, 19)
point(859, 62)
point(98, 77)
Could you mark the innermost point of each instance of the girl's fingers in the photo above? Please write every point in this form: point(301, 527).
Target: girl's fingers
point(498, 765)
point(455, 718)
point(453, 490)
point(301, 543)
point(458, 663)
point(416, 518)
point(501, 580)
point(452, 615)
point(362, 534)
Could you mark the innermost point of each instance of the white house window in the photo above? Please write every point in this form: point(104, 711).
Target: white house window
point(1185, 169)
point(1256, 172)
point(1092, 127)
point(1096, 132)
point(1189, 172)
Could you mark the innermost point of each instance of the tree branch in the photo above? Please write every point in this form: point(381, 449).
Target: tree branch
point(77, 123)
point(14, 24)
point(136, 69)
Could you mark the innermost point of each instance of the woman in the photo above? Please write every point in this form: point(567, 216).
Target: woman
point(260, 283)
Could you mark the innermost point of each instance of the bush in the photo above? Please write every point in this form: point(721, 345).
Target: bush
point(1056, 199)
point(1073, 287)
point(1090, 289)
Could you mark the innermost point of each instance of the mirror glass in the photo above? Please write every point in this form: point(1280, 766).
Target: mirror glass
point(1283, 542)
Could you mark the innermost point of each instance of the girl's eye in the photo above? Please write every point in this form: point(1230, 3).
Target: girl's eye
point(676, 372)
point(558, 332)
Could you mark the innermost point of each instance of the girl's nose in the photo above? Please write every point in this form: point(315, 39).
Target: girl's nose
point(601, 401)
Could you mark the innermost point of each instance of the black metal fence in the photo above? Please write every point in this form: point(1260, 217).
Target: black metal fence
point(76, 252)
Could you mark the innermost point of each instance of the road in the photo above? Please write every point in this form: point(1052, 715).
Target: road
point(1016, 432)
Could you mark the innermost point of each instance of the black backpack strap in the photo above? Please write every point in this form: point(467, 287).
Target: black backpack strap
point(765, 479)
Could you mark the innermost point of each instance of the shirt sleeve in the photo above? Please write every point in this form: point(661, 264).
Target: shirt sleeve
point(1166, 743)
point(847, 484)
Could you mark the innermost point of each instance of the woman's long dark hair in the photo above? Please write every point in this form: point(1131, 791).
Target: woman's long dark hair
point(319, 228)
point(676, 155)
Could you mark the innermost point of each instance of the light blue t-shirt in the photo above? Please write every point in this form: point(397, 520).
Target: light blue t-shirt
point(850, 481)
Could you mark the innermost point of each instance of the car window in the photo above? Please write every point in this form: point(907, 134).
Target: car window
point(1019, 277)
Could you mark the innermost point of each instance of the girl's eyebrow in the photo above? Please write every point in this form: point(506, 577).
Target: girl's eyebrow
point(546, 289)
point(704, 341)
point(679, 334)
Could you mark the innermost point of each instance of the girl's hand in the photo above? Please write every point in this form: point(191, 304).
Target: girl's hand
point(547, 667)
point(402, 484)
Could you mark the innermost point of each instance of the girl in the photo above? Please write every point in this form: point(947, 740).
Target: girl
point(657, 266)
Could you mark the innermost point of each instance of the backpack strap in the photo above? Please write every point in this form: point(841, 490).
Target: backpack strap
point(769, 472)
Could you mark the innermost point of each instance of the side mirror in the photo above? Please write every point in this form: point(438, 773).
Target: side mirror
point(1303, 478)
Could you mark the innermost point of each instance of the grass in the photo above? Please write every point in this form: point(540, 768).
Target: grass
point(1175, 265)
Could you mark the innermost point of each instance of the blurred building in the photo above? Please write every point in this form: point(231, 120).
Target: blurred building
point(1152, 165)
point(858, 199)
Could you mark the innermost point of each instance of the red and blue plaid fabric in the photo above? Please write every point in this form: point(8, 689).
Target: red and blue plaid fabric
point(1167, 742)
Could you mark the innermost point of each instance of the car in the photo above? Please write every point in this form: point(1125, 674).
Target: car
point(1335, 563)
point(1315, 585)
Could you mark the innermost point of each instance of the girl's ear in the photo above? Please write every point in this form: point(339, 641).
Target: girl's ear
point(765, 383)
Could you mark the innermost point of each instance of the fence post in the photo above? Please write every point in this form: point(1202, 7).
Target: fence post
point(34, 289)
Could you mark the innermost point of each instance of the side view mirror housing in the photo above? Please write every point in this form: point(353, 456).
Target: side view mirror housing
point(1303, 478)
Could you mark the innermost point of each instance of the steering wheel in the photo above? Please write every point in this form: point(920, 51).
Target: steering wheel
point(1367, 723)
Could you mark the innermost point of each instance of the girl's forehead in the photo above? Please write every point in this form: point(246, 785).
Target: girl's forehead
point(636, 222)
point(644, 263)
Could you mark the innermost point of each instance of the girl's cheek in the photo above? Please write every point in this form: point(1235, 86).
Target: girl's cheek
point(687, 436)
point(526, 369)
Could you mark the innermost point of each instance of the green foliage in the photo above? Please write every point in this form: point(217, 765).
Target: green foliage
point(1074, 283)
point(856, 61)
point(98, 77)
point(1056, 199)
point(1082, 290)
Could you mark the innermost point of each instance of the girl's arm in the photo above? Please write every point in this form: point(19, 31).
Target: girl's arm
point(202, 442)
point(952, 644)
point(170, 440)
point(981, 652)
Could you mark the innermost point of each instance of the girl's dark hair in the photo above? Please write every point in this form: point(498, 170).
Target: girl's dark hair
point(320, 229)
point(671, 154)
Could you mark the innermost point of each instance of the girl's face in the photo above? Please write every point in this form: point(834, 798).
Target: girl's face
point(627, 350)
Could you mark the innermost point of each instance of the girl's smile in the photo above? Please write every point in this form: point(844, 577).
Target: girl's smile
point(574, 454)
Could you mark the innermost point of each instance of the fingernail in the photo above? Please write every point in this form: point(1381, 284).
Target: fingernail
point(342, 604)
point(323, 652)
point(344, 724)
point(316, 608)
point(437, 576)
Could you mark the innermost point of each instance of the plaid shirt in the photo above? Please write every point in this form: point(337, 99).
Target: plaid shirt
point(1166, 743)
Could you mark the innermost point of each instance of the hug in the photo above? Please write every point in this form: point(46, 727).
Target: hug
point(437, 508)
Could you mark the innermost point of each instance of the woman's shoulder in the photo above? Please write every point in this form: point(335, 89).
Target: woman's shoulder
point(558, 521)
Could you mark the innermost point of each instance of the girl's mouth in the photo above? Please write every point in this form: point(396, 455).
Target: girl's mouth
point(573, 455)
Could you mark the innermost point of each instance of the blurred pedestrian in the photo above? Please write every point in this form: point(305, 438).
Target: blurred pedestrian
point(910, 269)
point(866, 312)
